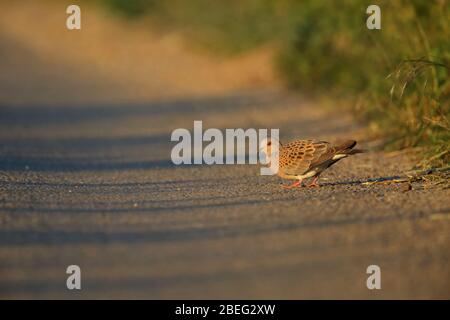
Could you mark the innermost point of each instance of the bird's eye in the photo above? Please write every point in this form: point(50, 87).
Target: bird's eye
point(269, 143)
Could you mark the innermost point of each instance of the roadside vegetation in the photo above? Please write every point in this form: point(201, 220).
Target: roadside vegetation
point(396, 79)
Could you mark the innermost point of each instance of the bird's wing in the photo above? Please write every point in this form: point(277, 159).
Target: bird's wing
point(298, 157)
point(342, 148)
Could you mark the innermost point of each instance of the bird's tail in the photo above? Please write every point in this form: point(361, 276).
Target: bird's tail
point(346, 147)
point(355, 151)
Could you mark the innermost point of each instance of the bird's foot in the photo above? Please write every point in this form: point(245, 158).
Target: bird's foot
point(314, 183)
point(290, 186)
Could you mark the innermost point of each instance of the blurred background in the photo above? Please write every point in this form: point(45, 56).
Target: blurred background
point(396, 79)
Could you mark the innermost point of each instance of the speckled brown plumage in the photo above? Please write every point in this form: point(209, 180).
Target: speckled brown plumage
point(302, 159)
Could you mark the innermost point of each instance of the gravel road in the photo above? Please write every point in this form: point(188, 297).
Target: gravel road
point(86, 179)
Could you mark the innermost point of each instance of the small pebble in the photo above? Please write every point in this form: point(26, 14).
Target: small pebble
point(405, 187)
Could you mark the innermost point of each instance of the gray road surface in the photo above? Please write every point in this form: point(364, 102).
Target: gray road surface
point(92, 184)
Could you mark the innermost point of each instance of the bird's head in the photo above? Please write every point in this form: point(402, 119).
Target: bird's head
point(269, 146)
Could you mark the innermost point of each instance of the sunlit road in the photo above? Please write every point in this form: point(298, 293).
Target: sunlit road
point(86, 179)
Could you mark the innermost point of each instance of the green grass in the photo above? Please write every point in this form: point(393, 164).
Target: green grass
point(227, 27)
point(397, 78)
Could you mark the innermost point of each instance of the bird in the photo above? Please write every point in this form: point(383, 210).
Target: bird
point(303, 159)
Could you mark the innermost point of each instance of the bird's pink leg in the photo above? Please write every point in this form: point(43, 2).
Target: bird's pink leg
point(295, 184)
point(314, 183)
